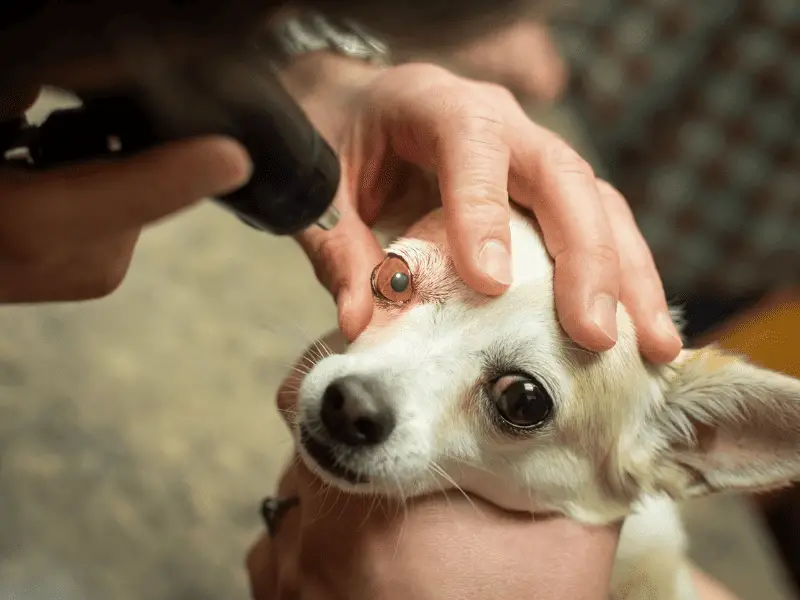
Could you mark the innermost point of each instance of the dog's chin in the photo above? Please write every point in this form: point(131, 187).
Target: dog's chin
point(321, 460)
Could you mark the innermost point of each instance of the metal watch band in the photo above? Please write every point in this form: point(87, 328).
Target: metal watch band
point(312, 31)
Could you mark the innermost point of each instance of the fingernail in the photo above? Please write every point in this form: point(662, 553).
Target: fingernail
point(603, 312)
point(495, 261)
point(666, 326)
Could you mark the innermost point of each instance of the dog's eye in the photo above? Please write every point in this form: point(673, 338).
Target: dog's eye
point(391, 280)
point(521, 401)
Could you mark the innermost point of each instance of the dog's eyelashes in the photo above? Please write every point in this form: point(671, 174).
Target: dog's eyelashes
point(392, 280)
point(521, 401)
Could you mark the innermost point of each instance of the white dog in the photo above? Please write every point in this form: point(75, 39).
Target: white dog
point(447, 387)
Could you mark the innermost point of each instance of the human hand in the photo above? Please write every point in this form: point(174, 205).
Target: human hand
point(482, 147)
point(444, 547)
point(522, 57)
point(69, 233)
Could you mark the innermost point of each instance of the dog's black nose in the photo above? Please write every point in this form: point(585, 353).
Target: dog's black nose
point(354, 416)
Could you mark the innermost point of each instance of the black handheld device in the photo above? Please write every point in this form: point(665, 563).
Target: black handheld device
point(295, 171)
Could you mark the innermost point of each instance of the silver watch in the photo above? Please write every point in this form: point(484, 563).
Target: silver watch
point(312, 31)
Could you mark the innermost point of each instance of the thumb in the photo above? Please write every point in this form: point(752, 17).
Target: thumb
point(343, 259)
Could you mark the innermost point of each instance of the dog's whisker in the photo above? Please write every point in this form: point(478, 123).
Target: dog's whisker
point(301, 369)
point(570, 345)
point(446, 476)
point(289, 390)
point(307, 363)
point(327, 350)
point(374, 498)
point(319, 349)
point(404, 505)
point(438, 481)
point(461, 461)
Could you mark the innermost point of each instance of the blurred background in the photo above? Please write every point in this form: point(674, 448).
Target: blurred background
point(138, 433)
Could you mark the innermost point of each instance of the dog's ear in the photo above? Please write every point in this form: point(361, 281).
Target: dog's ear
point(727, 425)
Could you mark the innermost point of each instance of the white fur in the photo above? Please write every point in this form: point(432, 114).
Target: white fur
point(622, 439)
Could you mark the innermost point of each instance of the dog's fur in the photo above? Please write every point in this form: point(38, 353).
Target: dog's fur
point(624, 438)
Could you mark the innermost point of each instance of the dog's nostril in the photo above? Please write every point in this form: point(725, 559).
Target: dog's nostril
point(368, 429)
point(334, 398)
point(354, 417)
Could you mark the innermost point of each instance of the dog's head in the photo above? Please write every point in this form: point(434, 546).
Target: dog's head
point(449, 388)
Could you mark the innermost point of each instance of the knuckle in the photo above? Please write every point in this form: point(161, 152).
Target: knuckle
point(613, 200)
point(426, 72)
point(416, 82)
point(607, 191)
point(484, 212)
point(478, 114)
point(605, 255)
point(480, 127)
point(562, 157)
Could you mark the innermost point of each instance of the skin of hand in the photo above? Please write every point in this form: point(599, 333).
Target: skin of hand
point(522, 57)
point(445, 546)
point(69, 233)
point(482, 146)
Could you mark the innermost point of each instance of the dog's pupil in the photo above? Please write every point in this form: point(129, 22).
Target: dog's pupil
point(399, 282)
point(524, 403)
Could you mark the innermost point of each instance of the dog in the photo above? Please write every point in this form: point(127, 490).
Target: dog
point(448, 388)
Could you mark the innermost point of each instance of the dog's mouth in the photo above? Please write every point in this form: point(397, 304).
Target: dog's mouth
point(325, 458)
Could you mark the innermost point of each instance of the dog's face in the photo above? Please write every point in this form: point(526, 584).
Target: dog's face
point(449, 388)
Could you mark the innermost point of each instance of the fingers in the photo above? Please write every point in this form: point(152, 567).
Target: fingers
point(473, 180)
point(343, 259)
point(273, 563)
point(84, 273)
point(261, 569)
point(485, 146)
point(461, 137)
point(560, 187)
point(70, 205)
point(523, 57)
point(641, 290)
point(549, 78)
point(482, 146)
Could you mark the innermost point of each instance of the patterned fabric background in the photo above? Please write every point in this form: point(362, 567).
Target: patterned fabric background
point(696, 109)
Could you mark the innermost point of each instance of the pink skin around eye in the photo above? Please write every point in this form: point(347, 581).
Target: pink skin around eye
point(502, 384)
point(431, 279)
